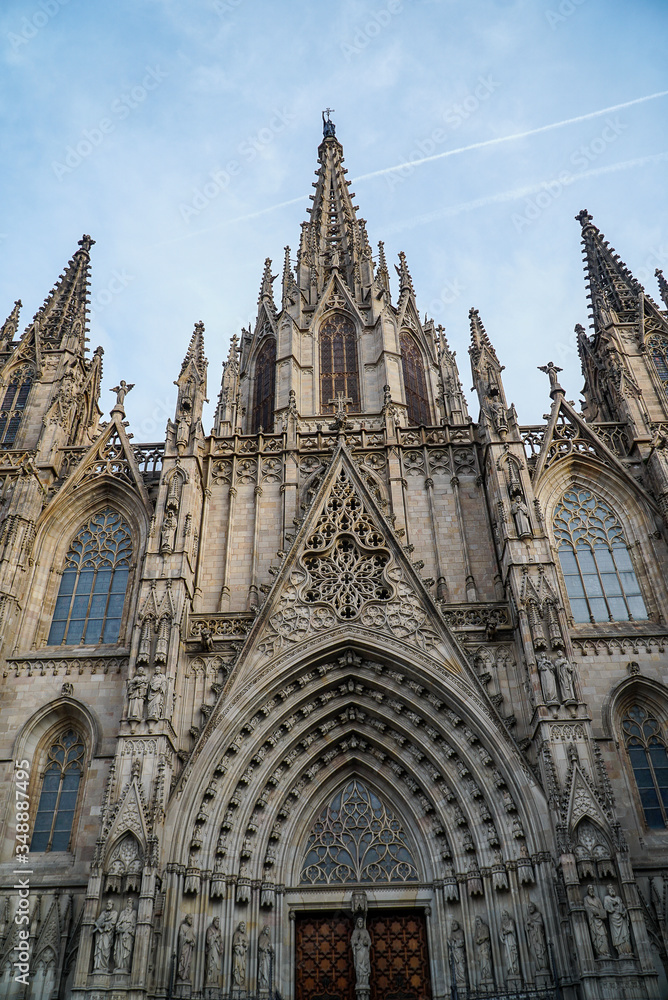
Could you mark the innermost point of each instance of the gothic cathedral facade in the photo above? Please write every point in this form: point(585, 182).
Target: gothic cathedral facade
point(355, 697)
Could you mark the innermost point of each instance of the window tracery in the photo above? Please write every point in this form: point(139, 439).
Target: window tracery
point(648, 753)
point(59, 791)
point(600, 579)
point(338, 362)
point(356, 838)
point(14, 403)
point(415, 383)
point(265, 382)
point(90, 600)
point(658, 348)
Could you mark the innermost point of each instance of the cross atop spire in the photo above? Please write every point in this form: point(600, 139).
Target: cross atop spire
point(328, 126)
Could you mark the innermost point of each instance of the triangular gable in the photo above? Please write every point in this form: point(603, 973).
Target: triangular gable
point(582, 802)
point(129, 817)
point(28, 349)
point(337, 295)
point(49, 934)
point(578, 439)
point(110, 457)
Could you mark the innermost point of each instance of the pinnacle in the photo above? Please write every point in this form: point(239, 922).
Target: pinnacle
point(195, 352)
point(663, 286)
point(609, 280)
point(67, 302)
point(266, 288)
point(480, 342)
point(405, 280)
point(10, 326)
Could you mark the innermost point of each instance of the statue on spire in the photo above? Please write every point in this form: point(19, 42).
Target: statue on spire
point(328, 126)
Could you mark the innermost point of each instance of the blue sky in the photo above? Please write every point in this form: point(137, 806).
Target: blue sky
point(197, 124)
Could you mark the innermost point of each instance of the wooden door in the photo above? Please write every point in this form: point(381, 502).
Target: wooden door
point(324, 969)
point(399, 956)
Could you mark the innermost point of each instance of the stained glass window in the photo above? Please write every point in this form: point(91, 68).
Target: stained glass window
point(600, 579)
point(265, 380)
point(14, 403)
point(356, 838)
point(658, 347)
point(415, 382)
point(60, 787)
point(92, 591)
point(338, 363)
point(646, 748)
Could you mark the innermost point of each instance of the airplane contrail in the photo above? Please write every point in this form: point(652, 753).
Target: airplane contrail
point(508, 138)
point(428, 159)
point(522, 192)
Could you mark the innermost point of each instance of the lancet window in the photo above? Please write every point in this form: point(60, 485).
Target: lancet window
point(658, 347)
point(60, 783)
point(338, 363)
point(356, 838)
point(265, 382)
point(14, 403)
point(600, 579)
point(415, 382)
point(648, 752)
point(90, 601)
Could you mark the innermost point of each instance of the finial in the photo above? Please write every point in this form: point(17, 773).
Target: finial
point(584, 218)
point(552, 372)
point(121, 390)
point(86, 242)
point(663, 286)
point(328, 126)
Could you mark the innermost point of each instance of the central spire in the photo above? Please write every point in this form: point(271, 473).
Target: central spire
point(334, 239)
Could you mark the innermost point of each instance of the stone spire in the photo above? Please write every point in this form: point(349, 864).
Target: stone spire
point(383, 273)
point(10, 326)
point(335, 239)
point(613, 291)
point(266, 296)
point(195, 352)
point(225, 422)
point(63, 318)
point(191, 396)
point(405, 280)
point(487, 381)
point(663, 286)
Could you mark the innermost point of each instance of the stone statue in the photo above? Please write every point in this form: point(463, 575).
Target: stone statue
point(213, 947)
point(126, 928)
point(104, 928)
point(360, 942)
point(483, 945)
point(239, 949)
point(536, 935)
point(508, 936)
point(186, 946)
point(619, 922)
point(121, 390)
point(548, 680)
point(137, 688)
point(265, 950)
point(458, 952)
point(168, 532)
point(156, 695)
point(596, 916)
point(520, 512)
point(565, 671)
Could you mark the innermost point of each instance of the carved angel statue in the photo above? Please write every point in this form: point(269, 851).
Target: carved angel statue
point(121, 390)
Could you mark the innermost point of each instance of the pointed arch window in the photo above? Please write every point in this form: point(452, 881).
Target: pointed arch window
point(648, 753)
point(356, 838)
point(658, 348)
point(14, 401)
point(61, 780)
point(90, 601)
point(415, 382)
point(600, 579)
point(338, 363)
point(265, 382)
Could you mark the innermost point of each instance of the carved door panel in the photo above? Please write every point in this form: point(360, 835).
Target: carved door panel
point(399, 956)
point(324, 969)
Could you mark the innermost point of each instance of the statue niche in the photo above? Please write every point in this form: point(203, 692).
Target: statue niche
point(124, 867)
